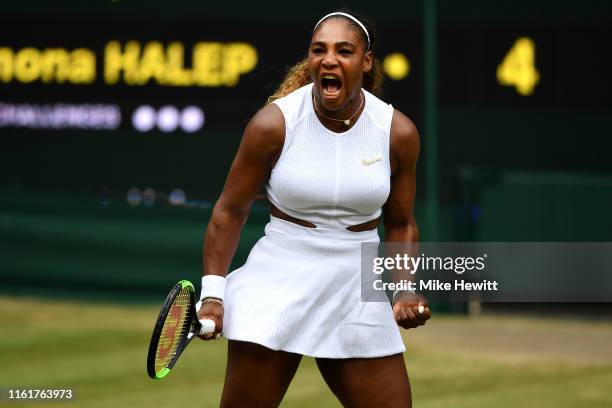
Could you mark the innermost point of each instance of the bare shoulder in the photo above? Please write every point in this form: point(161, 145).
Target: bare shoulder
point(265, 132)
point(268, 122)
point(403, 131)
point(405, 144)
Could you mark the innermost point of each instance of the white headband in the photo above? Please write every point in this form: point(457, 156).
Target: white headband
point(347, 16)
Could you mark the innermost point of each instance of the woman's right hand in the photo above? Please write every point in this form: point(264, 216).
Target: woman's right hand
point(213, 311)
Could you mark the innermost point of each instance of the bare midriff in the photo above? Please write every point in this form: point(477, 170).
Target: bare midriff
point(366, 226)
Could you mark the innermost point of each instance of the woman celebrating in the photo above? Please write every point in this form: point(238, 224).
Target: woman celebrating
point(332, 157)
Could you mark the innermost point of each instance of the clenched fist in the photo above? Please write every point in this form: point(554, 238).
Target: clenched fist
point(411, 310)
point(213, 311)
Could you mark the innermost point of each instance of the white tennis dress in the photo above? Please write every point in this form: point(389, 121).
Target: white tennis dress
point(300, 288)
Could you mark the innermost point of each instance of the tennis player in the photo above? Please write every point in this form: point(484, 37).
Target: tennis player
point(332, 156)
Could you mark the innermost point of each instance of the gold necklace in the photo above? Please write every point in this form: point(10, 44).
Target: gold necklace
point(347, 122)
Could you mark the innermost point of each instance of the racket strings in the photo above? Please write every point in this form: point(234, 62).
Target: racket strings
point(175, 327)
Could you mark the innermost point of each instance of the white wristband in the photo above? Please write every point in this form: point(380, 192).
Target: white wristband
point(213, 286)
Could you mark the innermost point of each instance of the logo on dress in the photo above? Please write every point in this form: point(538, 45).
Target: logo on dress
point(367, 162)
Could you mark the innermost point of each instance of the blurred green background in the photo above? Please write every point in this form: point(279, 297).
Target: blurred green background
point(92, 235)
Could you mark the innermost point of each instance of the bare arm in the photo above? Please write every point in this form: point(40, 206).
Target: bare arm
point(400, 224)
point(260, 147)
point(261, 144)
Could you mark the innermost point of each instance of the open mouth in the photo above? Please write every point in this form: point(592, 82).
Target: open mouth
point(331, 86)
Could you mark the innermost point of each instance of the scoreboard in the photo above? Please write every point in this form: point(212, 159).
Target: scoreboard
point(90, 103)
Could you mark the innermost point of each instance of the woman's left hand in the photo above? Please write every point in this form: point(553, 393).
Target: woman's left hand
point(411, 312)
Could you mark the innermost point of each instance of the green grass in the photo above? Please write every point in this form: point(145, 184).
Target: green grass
point(100, 351)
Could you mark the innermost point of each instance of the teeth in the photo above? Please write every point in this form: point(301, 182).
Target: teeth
point(329, 77)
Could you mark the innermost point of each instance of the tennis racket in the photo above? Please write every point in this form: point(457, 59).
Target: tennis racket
point(177, 324)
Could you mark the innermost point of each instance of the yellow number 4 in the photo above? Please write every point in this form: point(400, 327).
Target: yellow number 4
point(518, 67)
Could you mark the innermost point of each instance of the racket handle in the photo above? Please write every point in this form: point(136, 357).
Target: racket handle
point(208, 326)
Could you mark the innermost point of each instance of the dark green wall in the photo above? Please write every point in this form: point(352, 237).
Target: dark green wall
point(468, 10)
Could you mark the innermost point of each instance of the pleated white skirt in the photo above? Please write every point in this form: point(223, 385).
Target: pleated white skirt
point(300, 291)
